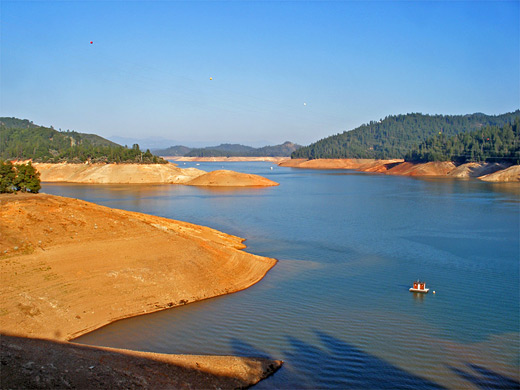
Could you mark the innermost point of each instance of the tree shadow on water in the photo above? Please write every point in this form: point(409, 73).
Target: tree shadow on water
point(241, 348)
point(485, 378)
point(334, 364)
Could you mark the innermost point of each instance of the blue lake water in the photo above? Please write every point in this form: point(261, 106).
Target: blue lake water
point(336, 308)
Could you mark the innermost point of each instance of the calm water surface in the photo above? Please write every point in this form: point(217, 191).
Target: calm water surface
point(336, 308)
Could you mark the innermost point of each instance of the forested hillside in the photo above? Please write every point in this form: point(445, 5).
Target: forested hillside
point(397, 135)
point(22, 140)
point(177, 150)
point(489, 144)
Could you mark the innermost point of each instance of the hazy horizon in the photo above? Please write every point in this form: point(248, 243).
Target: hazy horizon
point(254, 73)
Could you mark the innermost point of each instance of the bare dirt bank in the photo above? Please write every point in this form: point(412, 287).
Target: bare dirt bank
point(141, 174)
point(35, 363)
point(69, 266)
point(224, 178)
point(426, 169)
point(506, 175)
point(399, 167)
point(275, 160)
point(344, 163)
point(116, 173)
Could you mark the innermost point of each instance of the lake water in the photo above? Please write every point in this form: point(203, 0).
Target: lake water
point(336, 308)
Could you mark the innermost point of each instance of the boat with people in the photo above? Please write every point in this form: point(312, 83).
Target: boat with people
point(419, 287)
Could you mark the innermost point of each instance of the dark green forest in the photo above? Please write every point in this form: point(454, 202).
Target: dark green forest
point(18, 177)
point(489, 144)
point(397, 135)
point(22, 140)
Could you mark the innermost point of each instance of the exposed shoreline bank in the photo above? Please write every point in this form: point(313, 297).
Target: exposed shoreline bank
point(146, 174)
point(490, 172)
point(75, 266)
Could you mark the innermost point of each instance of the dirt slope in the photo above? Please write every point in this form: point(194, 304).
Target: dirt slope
point(116, 173)
point(225, 178)
point(399, 167)
point(34, 363)
point(69, 267)
point(476, 169)
point(145, 174)
point(367, 165)
point(74, 266)
point(426, 169)
point(511, 174)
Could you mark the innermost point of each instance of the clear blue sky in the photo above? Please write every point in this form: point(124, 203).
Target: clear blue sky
point(282, 70)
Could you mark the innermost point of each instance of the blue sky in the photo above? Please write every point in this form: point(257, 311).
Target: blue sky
point(282, 70)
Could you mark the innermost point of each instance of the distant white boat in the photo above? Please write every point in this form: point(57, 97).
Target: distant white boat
point(419, 287)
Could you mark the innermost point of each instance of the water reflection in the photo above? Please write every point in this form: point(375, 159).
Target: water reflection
point(418, 297)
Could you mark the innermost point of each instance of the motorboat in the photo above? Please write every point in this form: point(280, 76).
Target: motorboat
point(419, 287)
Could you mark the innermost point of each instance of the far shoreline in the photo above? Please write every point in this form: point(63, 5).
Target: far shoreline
point(489, 172)
point(276, 160)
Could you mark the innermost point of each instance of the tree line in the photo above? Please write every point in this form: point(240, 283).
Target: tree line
point(22, 140)
point(489, 144)
point(236, 150)
point(18, 177)
point(395, 136)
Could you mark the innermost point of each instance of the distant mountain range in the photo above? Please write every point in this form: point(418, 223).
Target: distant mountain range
point(231, 150)
point(397, 135)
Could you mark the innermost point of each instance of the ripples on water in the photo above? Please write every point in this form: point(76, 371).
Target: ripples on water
point(336, 308)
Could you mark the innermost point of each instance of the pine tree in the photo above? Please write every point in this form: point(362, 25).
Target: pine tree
point(7, 176)
point(27, 178)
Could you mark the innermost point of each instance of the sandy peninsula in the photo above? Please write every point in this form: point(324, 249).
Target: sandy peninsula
point(69, 267)
point(492, 172)
point(225, 178)
point(145, 174)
